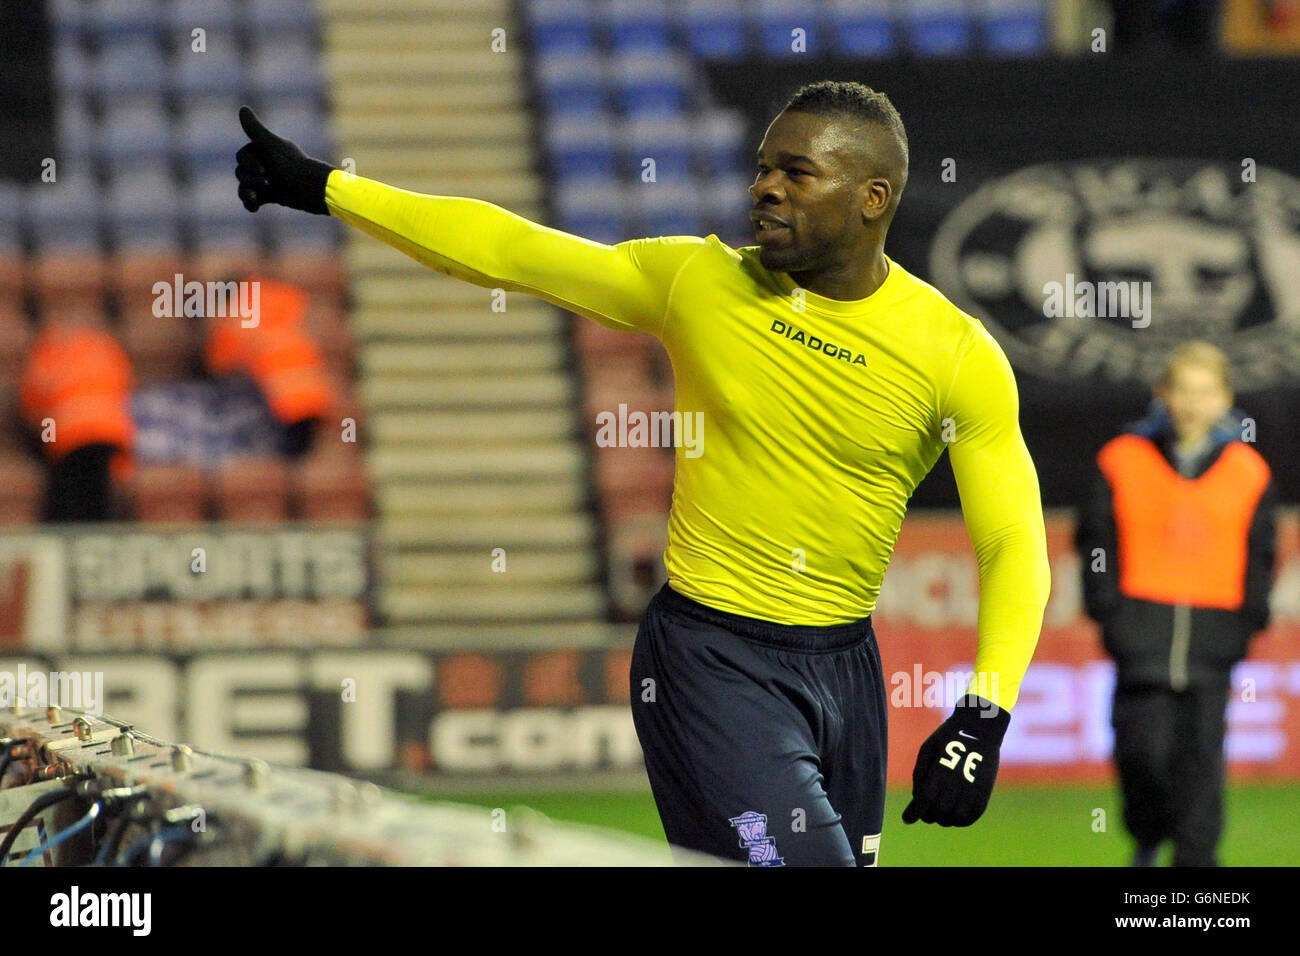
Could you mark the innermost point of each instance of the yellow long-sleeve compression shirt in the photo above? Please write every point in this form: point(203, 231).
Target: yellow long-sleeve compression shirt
point(820, 416)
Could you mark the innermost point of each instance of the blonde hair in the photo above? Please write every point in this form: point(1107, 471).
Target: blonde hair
point(1200, 353)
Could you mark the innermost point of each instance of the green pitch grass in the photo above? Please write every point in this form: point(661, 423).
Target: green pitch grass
point(1024, 826)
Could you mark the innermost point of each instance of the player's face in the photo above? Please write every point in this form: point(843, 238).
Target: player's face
point(807, 182)
point(1196, 399)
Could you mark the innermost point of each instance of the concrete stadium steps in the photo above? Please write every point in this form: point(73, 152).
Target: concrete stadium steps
point(455, 392)
point(472, 431)
point(469, 568)
point(491, 635)
point(491, 600)
point(414, 499)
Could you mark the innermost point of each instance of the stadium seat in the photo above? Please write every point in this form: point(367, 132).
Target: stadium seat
point(581, 146)
point(69, 19)
point(666, 208)
point(571, 83)
point(1014, 28)
point(664, 137)
point(130, 66)
point(636, 26)
point(113, 19)
point(216, 217)
point(720, 139)
point(939, 28)
point(561, 26)
point(133, 131)
point(656, 83)
point(592, 208)
point(284, 68)
point(601, 347)
point(22, 490)
point(203, 136)
point(15, 336)
point(331, 485)
point(713, 30)
point(133, 272)
point(76, 135)
point(863, 29)
point(777, 21)
point(181, 17)
point(142, 211)
point(252, 489)
point(283, 17)
point(160, 349)
point(73, 67)
point(216, 71)
point(634, 480)
point(167, 493)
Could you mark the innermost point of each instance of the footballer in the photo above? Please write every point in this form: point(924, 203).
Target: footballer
point(832, 379)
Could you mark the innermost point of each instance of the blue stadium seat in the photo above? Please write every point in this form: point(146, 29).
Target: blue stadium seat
point(181, 17)
point(218, 70)
point(216, 217)
point(290, 233)
point(205, 135)
point(287, 17)
point(142, 211)
point(73, 67)
point(128, 66)
point(721, 141)
point(863, 29)
point(284, 69)
point(651, 83)
point(571, 83)
point(725, 203)
point(777, 21)
point(65, 214)
point(581, 146)
point(637, 25)
point(75, 135)
point(592, 208)
point(69, 19)
point(1015, 27)
point(665, 138)
point(939, 28)
point(134, 128)
point(666, 208)
point(713, 30)
point(109, 19)
point(561, 26)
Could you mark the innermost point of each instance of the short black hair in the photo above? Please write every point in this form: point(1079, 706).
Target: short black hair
point(846, 98)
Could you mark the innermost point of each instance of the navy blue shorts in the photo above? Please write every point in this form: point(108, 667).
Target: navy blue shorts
point(763, 742)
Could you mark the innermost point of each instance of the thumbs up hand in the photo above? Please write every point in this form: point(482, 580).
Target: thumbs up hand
point(271, 169)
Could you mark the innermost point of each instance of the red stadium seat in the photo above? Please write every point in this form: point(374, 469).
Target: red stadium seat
point(331, 485)
point(321, 273)
point(634, 481)
point(161, 349)
point(167, 494)
point(134, 276)
point(15, 337)
point(59, 278)
point(22, 490)
point(253, 490)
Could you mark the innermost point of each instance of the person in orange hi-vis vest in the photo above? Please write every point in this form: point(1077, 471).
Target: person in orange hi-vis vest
point(1177, 544)
point(75, 393)
point(280, 356)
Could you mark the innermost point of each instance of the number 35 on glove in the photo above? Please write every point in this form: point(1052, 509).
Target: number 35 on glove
point(957, 765)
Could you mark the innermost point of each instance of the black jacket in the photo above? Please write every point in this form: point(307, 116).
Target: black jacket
point(1164, 644)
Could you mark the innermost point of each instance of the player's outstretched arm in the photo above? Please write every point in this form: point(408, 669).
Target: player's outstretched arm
point(624, 286)
point(958, 764)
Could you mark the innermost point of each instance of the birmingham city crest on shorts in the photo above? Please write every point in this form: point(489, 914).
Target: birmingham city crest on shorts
point(752, 827)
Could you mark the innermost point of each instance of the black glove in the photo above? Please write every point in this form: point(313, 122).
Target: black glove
point(273, 170)
point(957, 765)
